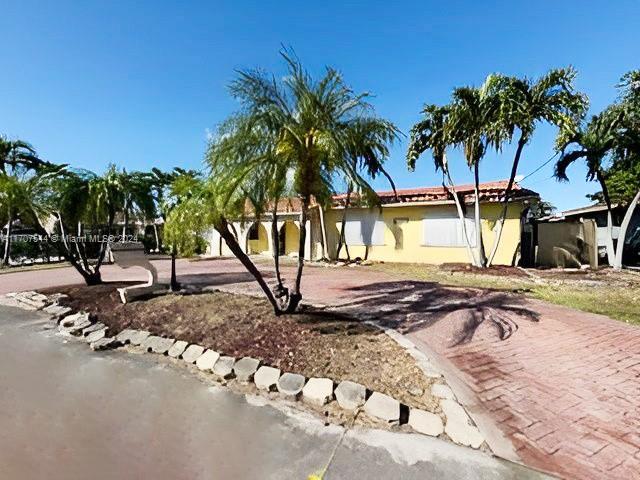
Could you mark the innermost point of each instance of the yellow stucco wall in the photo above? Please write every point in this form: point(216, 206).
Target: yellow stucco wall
point(261, 245)
point(413, 249)
point(292, 238)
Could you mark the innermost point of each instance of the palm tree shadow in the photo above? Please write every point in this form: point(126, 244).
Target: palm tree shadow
point(409, 306)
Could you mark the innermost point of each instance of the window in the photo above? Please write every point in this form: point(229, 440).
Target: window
point(364, 228)
point(444, 229)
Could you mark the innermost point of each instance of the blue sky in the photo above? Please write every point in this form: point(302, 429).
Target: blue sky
point(139, 83)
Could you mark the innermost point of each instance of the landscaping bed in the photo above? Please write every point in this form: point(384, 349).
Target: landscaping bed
point(313, 343)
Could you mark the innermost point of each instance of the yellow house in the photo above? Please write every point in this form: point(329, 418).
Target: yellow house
point(419, 225)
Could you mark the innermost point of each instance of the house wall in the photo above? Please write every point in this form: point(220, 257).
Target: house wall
point(292, 238)
point(261, 244)
point(403, 234)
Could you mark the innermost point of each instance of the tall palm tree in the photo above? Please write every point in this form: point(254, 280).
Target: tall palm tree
point(167, 190)
point(524, 103)
point(594, 144)
point(307, 126)
point(473, 125)
point(609, 144)
point(81, 201)
point(433, 133)
point(18, 153)
point(22, 196)
point(137, 197)
point(368, 150)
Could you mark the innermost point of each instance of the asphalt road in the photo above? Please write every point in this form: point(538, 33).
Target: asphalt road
point(69, 413)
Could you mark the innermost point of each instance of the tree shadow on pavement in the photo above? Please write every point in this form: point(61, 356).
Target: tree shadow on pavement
point(457, 313)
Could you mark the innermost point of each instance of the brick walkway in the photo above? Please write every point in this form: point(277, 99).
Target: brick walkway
point(563, 386)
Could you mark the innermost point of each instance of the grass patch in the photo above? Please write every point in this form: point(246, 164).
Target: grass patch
point(614, 294)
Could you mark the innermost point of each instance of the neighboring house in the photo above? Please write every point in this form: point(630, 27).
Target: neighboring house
point(420, 225)
point(567, 223)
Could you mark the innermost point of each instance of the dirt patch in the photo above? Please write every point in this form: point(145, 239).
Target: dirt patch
point(496, 270)
point(313, 343)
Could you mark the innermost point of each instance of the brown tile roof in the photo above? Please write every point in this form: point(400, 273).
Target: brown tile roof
point(489, 192)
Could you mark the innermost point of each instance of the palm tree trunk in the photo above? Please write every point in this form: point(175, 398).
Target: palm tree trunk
point(222, 226)
point(476, 190)
point(296, 296)
point(126, 221)
point(622, 235)
point(275, 246)
point(611, 252)
point(174, 285)
point(323, 227)
point(7, 243)
point(343, 225)
point(155, 233)
point(514, 168)
point(461, 216)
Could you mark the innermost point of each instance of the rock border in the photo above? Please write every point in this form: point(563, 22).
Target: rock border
point(451, 422)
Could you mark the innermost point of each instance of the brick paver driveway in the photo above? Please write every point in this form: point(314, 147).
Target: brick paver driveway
point(562, 386)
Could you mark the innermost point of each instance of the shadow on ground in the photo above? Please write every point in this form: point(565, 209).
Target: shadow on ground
point(408, 306)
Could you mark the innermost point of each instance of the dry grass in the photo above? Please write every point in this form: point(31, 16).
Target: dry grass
point(313, 343)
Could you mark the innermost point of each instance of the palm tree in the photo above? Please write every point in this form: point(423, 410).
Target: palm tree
point(433, 133)
point(14, 197)
point(18, 153)
point(172, 188)
point(21, 196)
point(138, 198)
point(525, 103)
point(473, 125)
point(82, 200)
point(306, 127)
point(594, 144)
point(609, 145)
point(368, 149)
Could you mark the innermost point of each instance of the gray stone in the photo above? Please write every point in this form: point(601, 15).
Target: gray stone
point(95, 336)
point(350, 395)
point(458, 425)
point(425, 422)
point(224, 367)
point(192, 353)
point(442, 391)
point(125, 335)
point(177, 349)
point(8, 301)
point(31, 300)
point(93, 328)
point(245, 368)
point(138, 337)
point(157, 344)
point(105, 343)
point(383, 407)
point(291, 384)
point(57, 311)
point(266, 378)
point(74, 324)
point(207, 360)
point(163, 345)
point(70, 320)
point(318, 391)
